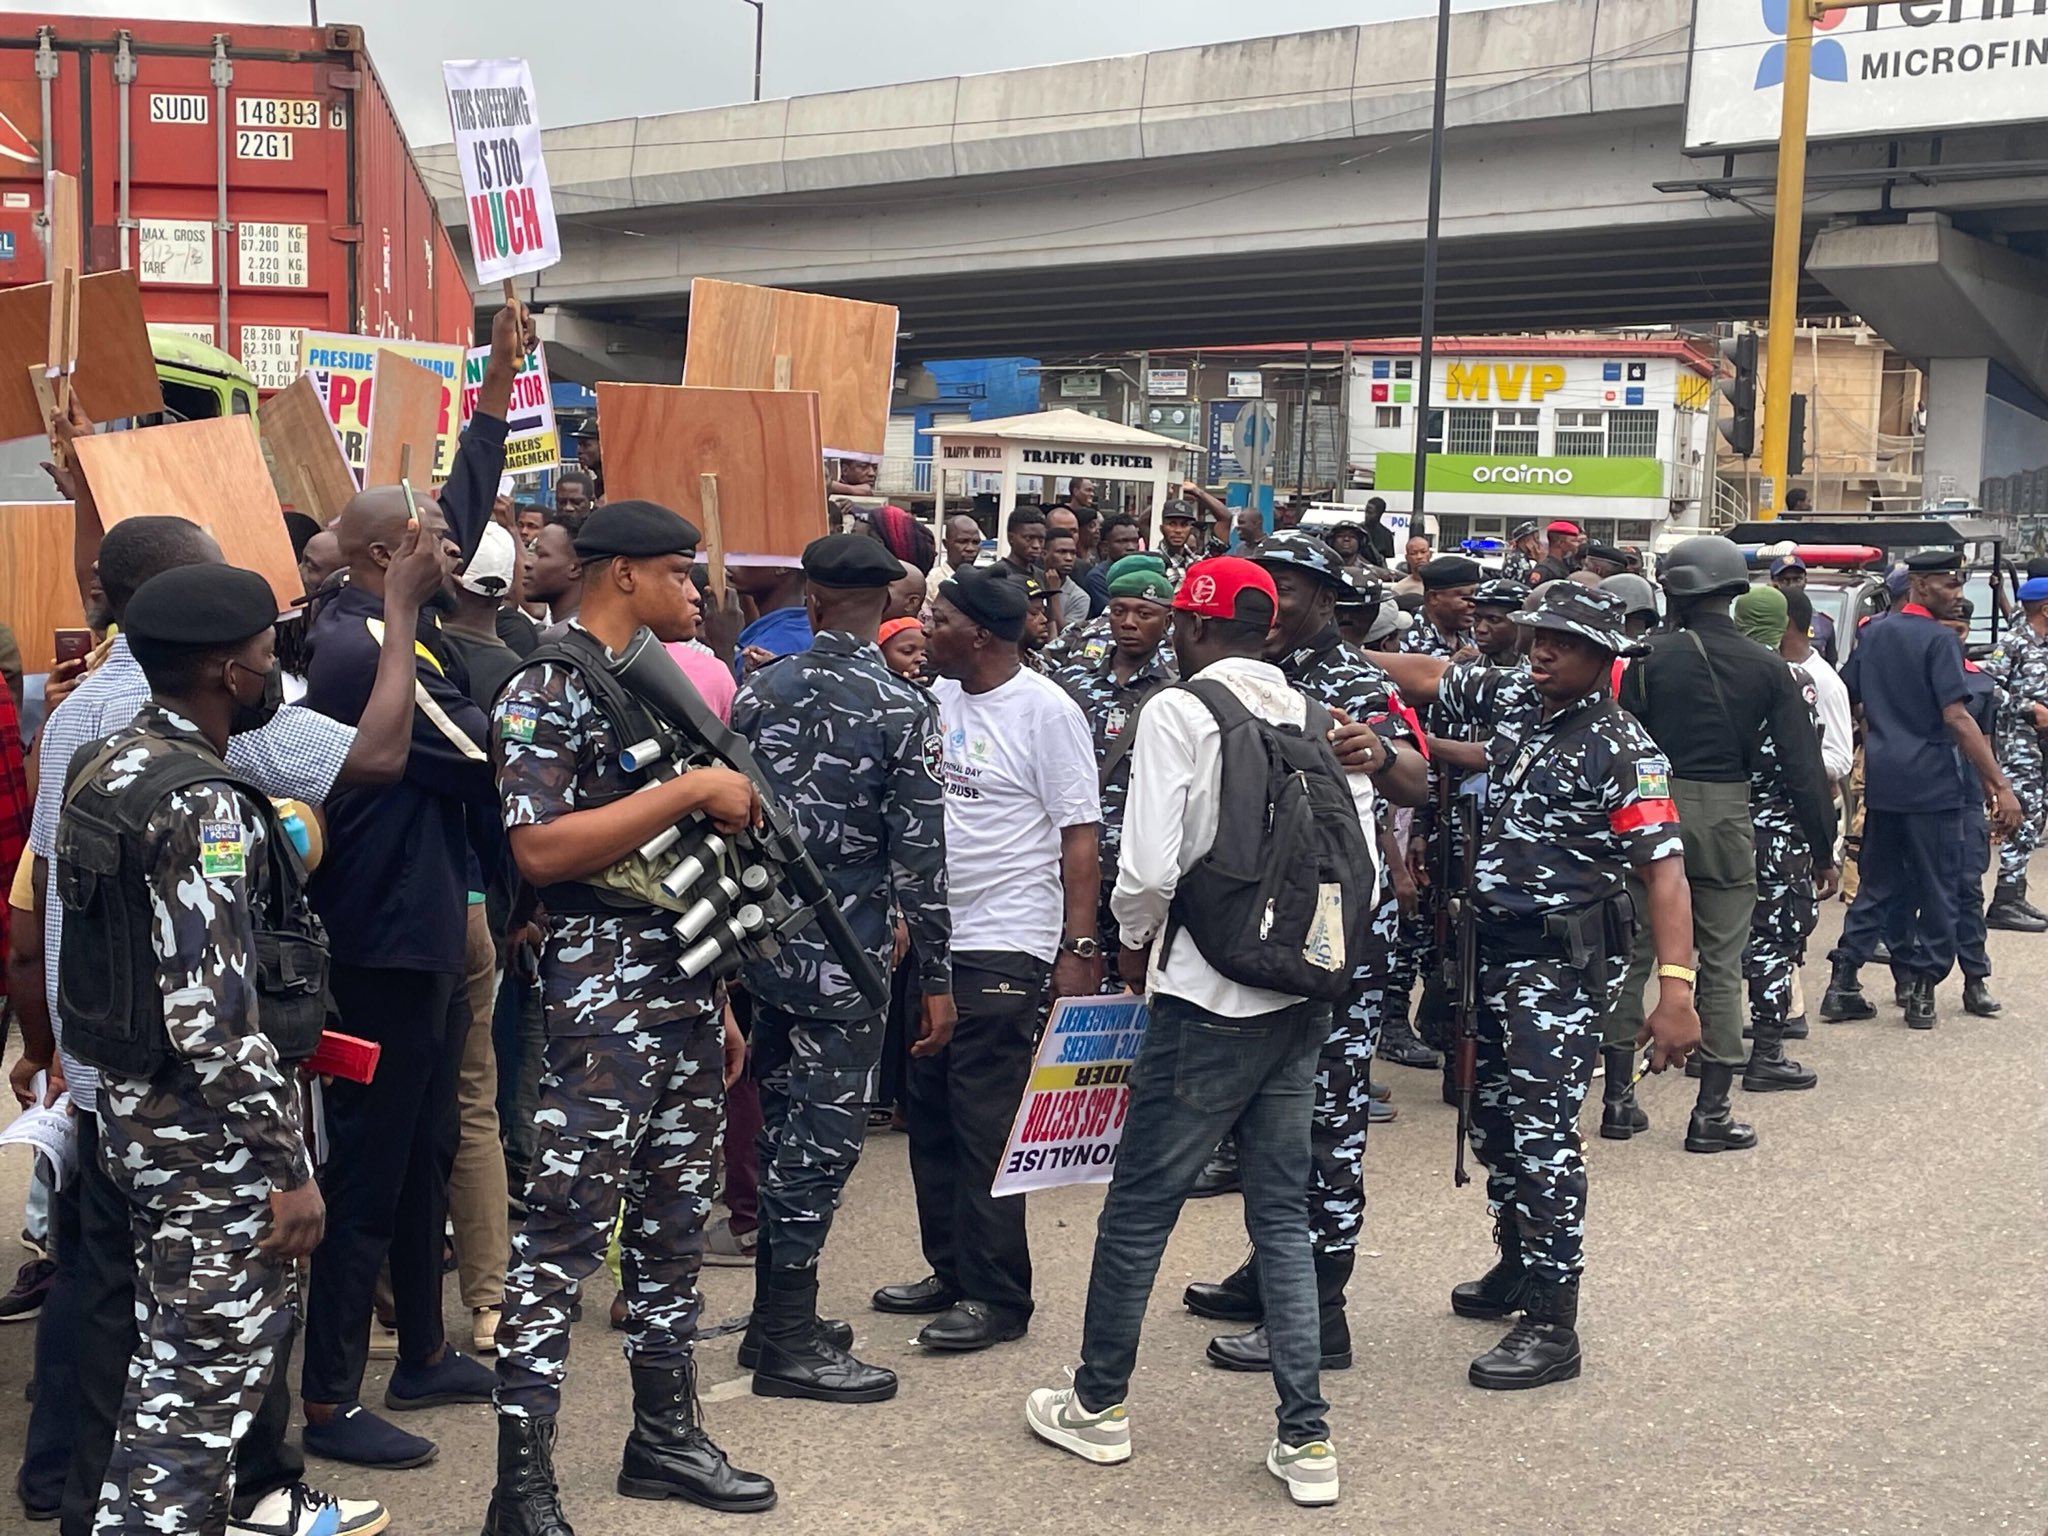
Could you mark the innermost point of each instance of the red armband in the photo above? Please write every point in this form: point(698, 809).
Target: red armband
point(1644, 813)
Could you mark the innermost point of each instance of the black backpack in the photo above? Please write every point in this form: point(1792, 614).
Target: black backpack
point(108, 992)
point(1283, 898)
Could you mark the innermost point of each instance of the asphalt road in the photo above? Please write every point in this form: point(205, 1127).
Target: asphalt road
point(1841, 1331)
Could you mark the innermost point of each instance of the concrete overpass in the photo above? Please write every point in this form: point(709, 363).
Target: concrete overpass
point(1246, 191)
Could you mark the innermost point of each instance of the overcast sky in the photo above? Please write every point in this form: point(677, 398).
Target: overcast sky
point(597, 59)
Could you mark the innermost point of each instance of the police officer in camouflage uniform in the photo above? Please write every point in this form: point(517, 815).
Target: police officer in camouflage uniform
point(635, 1069)
point(1518, 562)
point(1308, 577)
point(853, 752)
point(2020, 667)
point(1787, 906)
point(1576, 796)
point(1448, 584)
point(199, 1113)
point(1110, 690)
point(1091, 640)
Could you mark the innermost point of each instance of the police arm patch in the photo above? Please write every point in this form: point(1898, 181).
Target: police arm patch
point(517, 722)
point(1653, 779)
point(935, 758)
point(223, 849)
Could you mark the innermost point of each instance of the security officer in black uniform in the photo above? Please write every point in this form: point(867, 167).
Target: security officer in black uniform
point(633, 1090)
point(180, 886)
point(853, 752)
point(1577, 798)
point(1308, 577)
point(1712, 699)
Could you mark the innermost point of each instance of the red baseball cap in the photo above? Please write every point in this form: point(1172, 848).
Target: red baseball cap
point(1211, 587)
point(1561, 526)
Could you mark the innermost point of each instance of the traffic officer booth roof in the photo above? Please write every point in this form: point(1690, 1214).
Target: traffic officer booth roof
point(1058, 445)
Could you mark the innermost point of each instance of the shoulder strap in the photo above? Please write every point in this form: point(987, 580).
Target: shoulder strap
point(1601, 711)
point(581, 655)
point(1227, 708)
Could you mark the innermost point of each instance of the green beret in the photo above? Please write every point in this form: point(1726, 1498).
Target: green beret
point(1150, 585)
point(1138, 562)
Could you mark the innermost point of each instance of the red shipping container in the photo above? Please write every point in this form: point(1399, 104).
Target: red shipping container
point(282, 134)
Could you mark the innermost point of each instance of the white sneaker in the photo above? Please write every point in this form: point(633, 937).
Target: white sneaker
point(1309, 1471)
point(303, 1511)
point(1057, 1419)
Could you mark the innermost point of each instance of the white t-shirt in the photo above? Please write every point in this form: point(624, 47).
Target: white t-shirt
point(1019, 769)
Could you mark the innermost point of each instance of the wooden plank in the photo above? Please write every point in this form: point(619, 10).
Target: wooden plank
point(741, 337)
point(116, 374)
point(405, 412)
point(60, 207)
point(306, 461)
point(661, 441)
point(38, 586)
point(211, 472)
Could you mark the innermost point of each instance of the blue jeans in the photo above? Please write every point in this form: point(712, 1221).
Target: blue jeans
point(1196, 1077)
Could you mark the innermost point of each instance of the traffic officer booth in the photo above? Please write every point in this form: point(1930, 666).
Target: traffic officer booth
point(1058, 445)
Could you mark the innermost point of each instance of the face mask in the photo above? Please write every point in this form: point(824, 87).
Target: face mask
point(253, 717)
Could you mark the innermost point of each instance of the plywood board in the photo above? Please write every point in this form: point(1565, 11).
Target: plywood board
point(209, 471)
point(60, 203)
point(405, 412)
point(116, 374)
point(841, 348)
point(763, 445)
point(306, 461)
point(38, 582)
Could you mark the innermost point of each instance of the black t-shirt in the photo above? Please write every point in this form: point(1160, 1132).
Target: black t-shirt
point(1379, 540)
point(518, 630)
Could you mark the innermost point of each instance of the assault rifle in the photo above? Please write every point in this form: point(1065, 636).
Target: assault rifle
point(754, 889)
point(1460, 958)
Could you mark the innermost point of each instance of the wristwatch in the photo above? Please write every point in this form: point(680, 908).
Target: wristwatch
point(1084, 947)
point(1678, 973)
point(1389, 748)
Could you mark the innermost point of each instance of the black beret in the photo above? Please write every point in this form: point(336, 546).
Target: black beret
point(1605, 552)
point(1935, 560)
point(639, 530)
point(850, 560)
point(1451, 571)
point(989, 596)
point(198, 606)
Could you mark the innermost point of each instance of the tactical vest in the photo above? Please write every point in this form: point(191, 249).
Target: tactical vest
point(633, 884)
point(109, 991)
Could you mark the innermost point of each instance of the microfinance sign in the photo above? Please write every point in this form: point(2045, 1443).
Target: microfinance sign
point(1491, 474)
point(1905, 67)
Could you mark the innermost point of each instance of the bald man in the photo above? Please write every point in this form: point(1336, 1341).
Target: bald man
point(394, 891)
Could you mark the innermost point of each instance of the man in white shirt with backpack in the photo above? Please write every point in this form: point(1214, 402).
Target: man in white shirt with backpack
point(1244, 887)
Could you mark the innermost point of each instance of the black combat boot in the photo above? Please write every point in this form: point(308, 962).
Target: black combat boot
point(668, 1455)
point(1712, 1128)
point(1233, 1299)
point(1844, 997)
point(1220, 1175)
point(525, 1501)
point(1253, 1351)
point(1977, 998)
point(1770, 1070)
point(1540, 1349)
point(1498, 1292)
point(1920, 1003)
point(1398, 1041)
point(834, 1331)
point(2009, 912)
point(1795, 1029)
point(797, 1360)
point(1620, 1116)
point(2020, 889)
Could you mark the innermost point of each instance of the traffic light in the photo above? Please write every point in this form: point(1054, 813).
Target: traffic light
point(1739, 352)
point(1795, 439)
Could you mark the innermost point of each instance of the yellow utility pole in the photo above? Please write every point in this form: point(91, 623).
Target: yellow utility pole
point(1786, 256)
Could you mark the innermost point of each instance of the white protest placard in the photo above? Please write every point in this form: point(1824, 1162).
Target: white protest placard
point(1071, 1121)
point(530, 439)
point(504, 181)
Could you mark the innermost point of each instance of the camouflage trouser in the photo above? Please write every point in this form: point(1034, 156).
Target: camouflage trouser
point(2028, 786)
point(1539, 1035)
point(1785, 914)
point(211, 1311)
point(1336, 1194)
point(629, 1117)
point(813, 1078)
